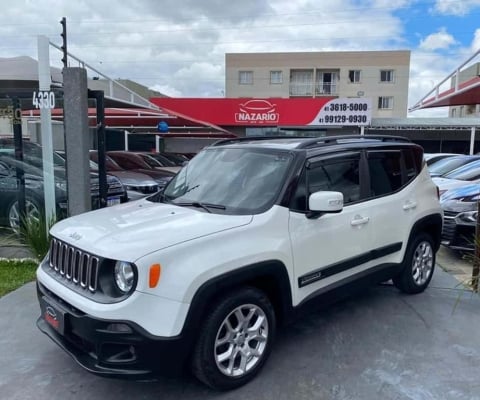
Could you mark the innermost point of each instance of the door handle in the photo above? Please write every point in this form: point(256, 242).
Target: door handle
point(359, 220)
point(409, 205)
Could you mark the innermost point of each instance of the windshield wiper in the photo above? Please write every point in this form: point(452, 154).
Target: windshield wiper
point(205, 206)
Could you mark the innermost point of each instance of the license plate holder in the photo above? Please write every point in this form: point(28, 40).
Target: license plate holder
point(113, 201)
point(53, 315)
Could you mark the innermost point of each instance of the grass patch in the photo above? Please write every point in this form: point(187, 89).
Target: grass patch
point(15, 273)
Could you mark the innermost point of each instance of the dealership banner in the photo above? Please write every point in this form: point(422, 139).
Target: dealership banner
point(322, 111)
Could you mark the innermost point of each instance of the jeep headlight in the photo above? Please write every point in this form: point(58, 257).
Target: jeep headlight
point(124, 274)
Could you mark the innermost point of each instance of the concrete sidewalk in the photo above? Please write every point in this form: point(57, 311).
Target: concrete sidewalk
point(380, 345)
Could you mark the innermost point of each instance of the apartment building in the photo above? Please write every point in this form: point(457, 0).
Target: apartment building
point(381, 76)
point(466, 77)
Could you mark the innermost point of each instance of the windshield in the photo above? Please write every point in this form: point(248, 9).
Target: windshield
point(151, 162)
point(238, 181)
point(468, 172)
point(449, 164)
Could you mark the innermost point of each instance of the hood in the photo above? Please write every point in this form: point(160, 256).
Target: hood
point(131, 230)
point(131, 178)
point(461, 199)
point(445, 184)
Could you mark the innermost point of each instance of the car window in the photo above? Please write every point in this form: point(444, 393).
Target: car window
point(338, 175)
point(242, 181)
point(465, 173)
point(449, 164)
point(150, 161)
point(412, 168)
point(385, 172)
point(127, 162)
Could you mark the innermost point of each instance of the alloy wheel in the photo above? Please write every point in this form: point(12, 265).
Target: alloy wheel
point(422, 266)
point(31, 209)
point(241, 340)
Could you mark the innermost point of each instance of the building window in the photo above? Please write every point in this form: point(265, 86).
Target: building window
point(354, 76)
point(326, 82)
point(276, 77)
point(385, 103)
point(245, 77)
point(387, 75)
point(301, 82)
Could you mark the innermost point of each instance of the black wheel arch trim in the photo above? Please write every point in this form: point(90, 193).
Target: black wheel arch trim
point(270, 276)
point(431, 224)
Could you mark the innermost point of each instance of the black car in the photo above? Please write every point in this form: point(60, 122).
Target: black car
point(31, 166)
point(460, 217)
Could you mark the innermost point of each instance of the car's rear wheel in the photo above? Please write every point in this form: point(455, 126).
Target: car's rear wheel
point(235, 339)
point(32, 210)
point(418, 266)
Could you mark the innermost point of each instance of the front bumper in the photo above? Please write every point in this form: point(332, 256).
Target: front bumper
point(109, 348)
point(457, 236)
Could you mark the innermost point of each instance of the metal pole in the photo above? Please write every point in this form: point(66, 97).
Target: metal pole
point(362, 130)
point(126, 140)
point(44, 82)
point(472, 140)
point(98, 95)
point(20, 173)
point(476, 259)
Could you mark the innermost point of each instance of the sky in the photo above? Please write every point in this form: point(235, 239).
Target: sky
point(178, 47)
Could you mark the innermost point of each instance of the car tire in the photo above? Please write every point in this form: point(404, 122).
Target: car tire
point(235, 339)
point(418, 265)
point(32, 208)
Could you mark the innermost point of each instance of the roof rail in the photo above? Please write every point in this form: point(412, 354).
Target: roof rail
point(326, 140)
point(311, 141)
point(255, 138)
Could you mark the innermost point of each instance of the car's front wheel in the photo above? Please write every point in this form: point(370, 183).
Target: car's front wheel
point(235, 339)
point(32, 211)
point(418, 265)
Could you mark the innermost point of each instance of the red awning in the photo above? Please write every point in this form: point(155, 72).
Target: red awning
point(467, 93)
point(147, 120)
point(463, 94)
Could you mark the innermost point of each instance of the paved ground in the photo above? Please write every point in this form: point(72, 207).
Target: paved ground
point(381, 345)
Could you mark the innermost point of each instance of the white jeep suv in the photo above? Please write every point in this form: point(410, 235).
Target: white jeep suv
point(252, 229)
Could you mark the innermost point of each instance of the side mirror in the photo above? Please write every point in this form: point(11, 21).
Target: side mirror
point(324, 202)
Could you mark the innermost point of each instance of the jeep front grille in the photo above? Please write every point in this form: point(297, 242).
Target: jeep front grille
point(74, 265)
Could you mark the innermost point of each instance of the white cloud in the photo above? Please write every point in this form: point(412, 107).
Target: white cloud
point(179, 48)
point(439, 40)
point(476, 41)
point(455, 7)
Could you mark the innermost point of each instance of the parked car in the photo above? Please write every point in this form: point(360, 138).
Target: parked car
point(251, 230)
point(137, 185)
point(460, 217)
point(178, 159)
point(467, 174)
point(447, 165)
point(131, 160)
point(169, 159)
point(9, 207)
point(34, 189)
point(432, 158)
point(160, 177)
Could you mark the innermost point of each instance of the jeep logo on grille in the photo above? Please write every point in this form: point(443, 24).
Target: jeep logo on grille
point(75, 236)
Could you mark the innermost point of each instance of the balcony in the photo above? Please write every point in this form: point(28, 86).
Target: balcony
point(310, 89)
point(326, 89)
point(301, 89)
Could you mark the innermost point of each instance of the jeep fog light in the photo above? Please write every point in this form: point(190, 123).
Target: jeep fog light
point(124, 276)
